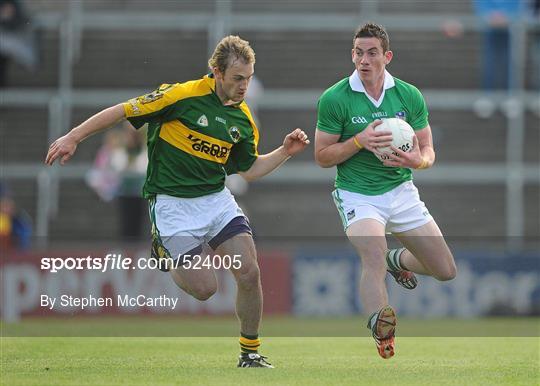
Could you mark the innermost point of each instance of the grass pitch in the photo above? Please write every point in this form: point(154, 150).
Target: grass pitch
point(298, 360)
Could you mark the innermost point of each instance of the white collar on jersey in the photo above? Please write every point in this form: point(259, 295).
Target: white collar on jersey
point(357, 85)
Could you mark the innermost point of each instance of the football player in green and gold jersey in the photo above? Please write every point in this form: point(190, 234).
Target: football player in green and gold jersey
point(198, 132)
point(374, 197)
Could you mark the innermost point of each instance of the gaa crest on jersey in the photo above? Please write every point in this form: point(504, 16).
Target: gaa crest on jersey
point(401, 115)
point(234, 133)
point(202, 121)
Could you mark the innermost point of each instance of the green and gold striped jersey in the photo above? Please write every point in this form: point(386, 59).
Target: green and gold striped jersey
point(194, 141)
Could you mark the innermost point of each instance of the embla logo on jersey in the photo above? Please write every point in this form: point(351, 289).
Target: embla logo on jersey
point(202, 121)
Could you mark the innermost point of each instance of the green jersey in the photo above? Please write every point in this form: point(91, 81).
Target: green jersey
point(346, 109)
point(194, 141)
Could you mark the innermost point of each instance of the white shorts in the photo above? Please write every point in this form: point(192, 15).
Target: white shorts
point(399, 210)
point(182, 225)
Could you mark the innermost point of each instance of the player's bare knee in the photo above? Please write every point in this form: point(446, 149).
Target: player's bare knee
point(249, 276)
point(452, 272)
point(204, 295)
point(373, 260)
point(203, 292)
point(447, 274)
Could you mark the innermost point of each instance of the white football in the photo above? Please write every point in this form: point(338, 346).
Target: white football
point(402, 136)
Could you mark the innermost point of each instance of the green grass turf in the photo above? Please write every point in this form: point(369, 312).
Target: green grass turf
point(279, 326)
point(298, 361)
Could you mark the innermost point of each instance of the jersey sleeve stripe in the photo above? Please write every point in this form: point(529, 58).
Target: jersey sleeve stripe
point(166, 95)
point(245, 109)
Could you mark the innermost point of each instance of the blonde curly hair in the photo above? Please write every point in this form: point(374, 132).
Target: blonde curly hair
point(229, 49)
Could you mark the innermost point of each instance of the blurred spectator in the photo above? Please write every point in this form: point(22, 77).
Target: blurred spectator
point(15, 224)
point(104, 177)
point(133, 207)
point(496, 16)
point(254, 94)
point(18, 40)
point(119, 172)
point(452, 28)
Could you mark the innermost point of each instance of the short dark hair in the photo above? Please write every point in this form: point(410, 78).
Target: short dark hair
point(372, 30)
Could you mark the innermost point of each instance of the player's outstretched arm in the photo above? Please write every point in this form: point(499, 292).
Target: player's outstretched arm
point(294, 143)
point(65, 146)
point(329, 152)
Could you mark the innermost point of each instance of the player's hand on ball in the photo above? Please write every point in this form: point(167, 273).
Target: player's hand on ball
point(63, 148)
point(399, 158)
point(371, 139)
point(295, 142)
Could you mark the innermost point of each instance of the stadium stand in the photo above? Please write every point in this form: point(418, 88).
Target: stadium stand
point(292, 59)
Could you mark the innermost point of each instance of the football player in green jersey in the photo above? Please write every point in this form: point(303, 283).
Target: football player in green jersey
point(198, 132)
point(374, 197)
